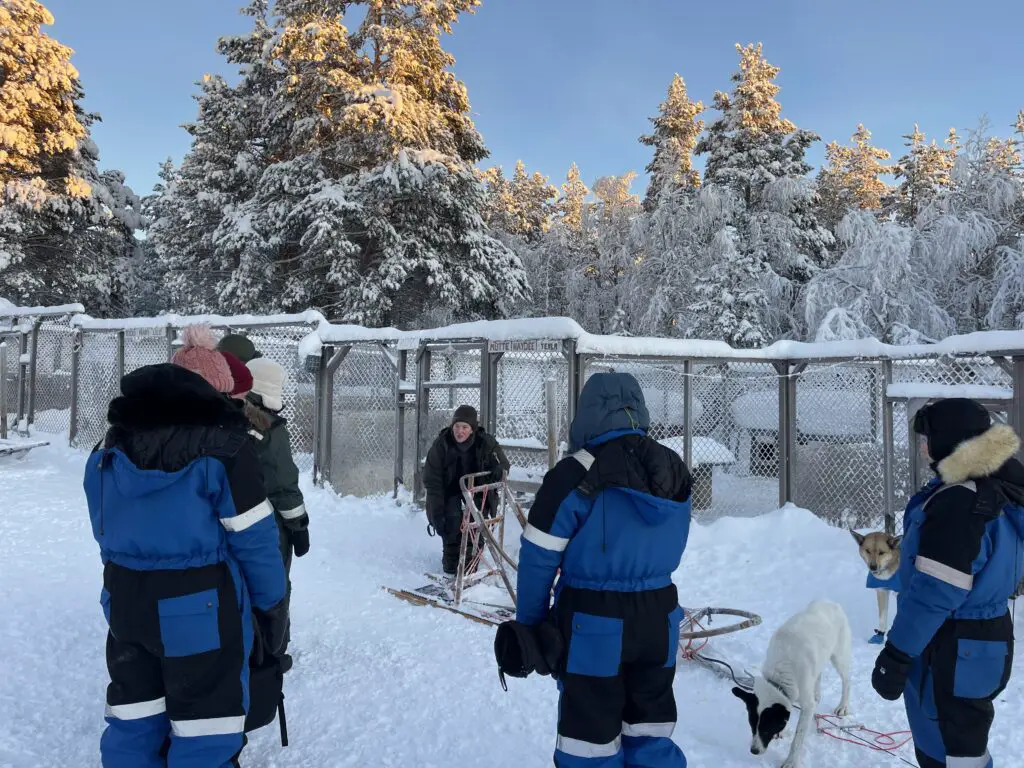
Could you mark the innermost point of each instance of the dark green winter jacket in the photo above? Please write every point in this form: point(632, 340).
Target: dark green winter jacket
point(280, 475)
point(441, 471)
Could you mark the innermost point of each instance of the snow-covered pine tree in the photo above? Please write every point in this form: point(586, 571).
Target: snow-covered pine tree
point(879, 288)
point(676, 129)
point(970, 231)
point(675, 246)
point(354, 190)
point(729, 300)
point(548, 259)
point(66, 229)
point(922, 172)
point(851, 178)
point(602, 269)
point(760, 157)
point(521, 206)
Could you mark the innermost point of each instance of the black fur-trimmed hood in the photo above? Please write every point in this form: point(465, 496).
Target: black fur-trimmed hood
point(167, 417)
point(168, 395)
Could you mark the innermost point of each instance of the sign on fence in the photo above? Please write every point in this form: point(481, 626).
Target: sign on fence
point(536, 345)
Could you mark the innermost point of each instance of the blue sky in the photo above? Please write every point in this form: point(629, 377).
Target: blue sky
point(557, 81)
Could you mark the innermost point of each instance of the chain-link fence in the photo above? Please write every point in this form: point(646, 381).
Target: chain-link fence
point(524, 416)
point(51, 395)
point(839, 450)
point(361, 441)
point(105, 353)
point(732, 424)
point(915, 382)
point(831, 436)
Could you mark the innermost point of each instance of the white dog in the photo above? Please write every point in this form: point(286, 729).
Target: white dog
point(791, 675)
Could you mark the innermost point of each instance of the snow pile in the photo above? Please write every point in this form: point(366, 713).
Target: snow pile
point(380, 682)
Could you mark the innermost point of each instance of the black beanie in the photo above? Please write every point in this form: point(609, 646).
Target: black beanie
point(947, 423)
point(467, 415)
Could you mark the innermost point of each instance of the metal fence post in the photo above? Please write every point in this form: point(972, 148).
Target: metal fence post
point(76, 368)
point(327, 410)
point(888, 451)
point(422, 415)
point(787, 429)
point(551, 395)
point(577, 363)
point(171, 334)
point(318, 405)
point(22, 378)
point(401, 371)
point(3, 390)
point(1017, 415)
point(688, 414)
point(33, 357)
point(489, 393)
point(120, 355)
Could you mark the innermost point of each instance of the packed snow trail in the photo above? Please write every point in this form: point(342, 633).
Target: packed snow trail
point(380, 682)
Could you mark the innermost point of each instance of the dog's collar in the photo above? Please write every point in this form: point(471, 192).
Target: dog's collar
point(780, 689)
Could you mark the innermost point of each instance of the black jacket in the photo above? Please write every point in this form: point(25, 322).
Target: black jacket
point(441, 471)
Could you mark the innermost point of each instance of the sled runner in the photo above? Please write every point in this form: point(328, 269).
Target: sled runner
point(484, 537)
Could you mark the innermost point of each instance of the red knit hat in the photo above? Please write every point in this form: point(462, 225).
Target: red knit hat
point(198, 353)
point(240, 374)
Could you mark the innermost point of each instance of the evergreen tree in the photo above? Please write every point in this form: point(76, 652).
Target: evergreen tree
point(572, 202)
point(676, 130)
point(600, 288)
point(551, 259)
point(520, 207)
point(66, 229)
point(923, 171)
point(730, 300)
point(759, 156)
point(344, 167)
point(851, 179)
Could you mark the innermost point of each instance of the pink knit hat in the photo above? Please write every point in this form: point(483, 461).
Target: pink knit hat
point(199, 354)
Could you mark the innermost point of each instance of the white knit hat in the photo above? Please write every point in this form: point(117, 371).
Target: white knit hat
point(267, 382)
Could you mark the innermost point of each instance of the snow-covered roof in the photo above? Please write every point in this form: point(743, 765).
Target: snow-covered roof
point(632, 346)
point(309, 317)
point(925, 390)
point(843, 413)
point(983, 342)
point(706, 450)
point(13, 311)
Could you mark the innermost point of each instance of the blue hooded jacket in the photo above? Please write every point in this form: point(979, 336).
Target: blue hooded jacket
point(177, 485)
point(963, 540)
point(613, 517)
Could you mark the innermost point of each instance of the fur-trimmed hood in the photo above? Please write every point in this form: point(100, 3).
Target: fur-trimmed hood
point(981, 456)
point(260, 418)
point(168, 395)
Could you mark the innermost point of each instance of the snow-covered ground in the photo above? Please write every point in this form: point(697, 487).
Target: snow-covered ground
point(380, 682)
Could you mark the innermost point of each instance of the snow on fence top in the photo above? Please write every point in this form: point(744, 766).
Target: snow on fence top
point(310, 317)
point(926, 390)
point(528, 329)
point(12, 311)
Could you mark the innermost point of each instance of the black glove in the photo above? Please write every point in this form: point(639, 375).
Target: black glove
point(437, 520)
point(273, 626)
point(890, 675)
point(300, 542)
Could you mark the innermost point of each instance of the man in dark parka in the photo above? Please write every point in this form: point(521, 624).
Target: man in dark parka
point(461, 449)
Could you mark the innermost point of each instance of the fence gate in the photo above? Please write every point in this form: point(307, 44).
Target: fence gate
point(449, 375)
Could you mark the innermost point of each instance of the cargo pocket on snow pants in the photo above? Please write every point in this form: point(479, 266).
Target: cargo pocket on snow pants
point(595, 646)
point(189, 624)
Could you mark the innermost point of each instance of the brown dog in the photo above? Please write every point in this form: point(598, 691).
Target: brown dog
point(881, 554)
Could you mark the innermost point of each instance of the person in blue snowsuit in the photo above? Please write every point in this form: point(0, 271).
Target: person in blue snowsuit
point(950, 650)
point(614, 517)
point(190, 552)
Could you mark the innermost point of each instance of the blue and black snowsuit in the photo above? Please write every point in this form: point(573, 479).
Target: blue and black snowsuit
point(614, 517)
point(963, 543)
point(190, 547)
